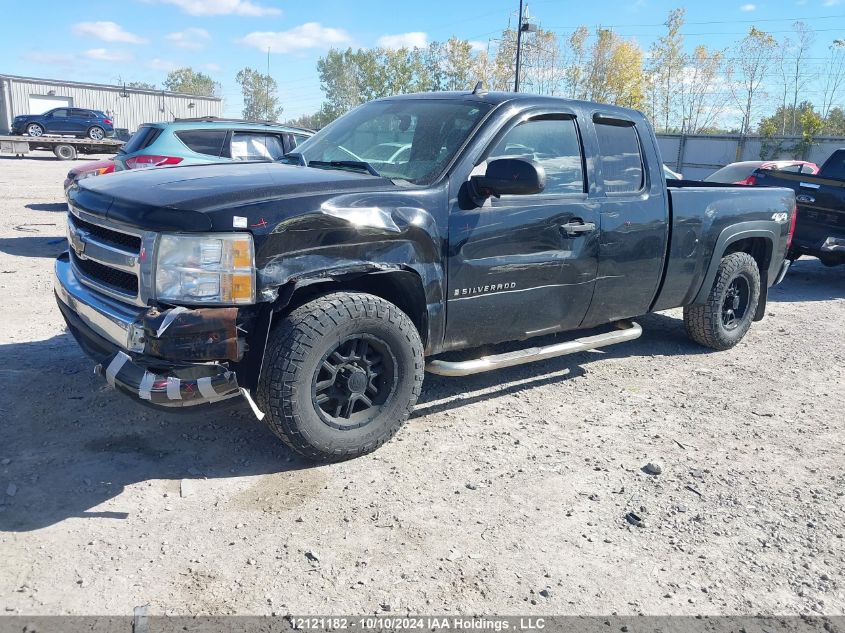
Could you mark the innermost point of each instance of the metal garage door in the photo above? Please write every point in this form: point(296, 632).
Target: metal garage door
point(42, 103)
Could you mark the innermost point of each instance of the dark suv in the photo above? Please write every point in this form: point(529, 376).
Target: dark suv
point(93, 124)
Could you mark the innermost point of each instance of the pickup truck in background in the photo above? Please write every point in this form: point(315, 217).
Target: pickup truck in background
point(321, 287)
point(820, 217)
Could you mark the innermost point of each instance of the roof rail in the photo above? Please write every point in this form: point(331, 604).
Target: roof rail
point(217, 119)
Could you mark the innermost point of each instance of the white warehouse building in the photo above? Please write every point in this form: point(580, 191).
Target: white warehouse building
point(127, 107)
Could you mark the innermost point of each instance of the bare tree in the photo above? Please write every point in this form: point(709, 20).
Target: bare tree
point(834, 77)
point(753, 57)
point(800, 75)
point(667, 64)
point(699, 100)
point(575, 57)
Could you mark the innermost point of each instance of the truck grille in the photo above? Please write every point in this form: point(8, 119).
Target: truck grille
point(122, 282)
point(116, 238)
point(105, 258)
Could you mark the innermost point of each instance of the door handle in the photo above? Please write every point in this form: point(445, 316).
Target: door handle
point(577, 228)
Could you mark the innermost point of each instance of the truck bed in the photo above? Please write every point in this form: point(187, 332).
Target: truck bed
point(702, 216)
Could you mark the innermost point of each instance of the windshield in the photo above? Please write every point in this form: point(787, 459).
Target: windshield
point(430, 131)
point(733, 173)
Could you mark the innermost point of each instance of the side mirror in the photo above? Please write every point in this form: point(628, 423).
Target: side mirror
point(514, 176)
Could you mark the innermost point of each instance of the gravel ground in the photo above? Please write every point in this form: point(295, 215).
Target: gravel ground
point(505, 493)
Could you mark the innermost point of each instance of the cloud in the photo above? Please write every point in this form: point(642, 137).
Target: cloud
point(191, 38)
point(831, 3)
point(308, 35)
point(162, 64)
point(478, 46)
point(212, 67)
point(107, 31)
point(105, 55)
point(748, 8)
point(223, 7)
point(414, 39)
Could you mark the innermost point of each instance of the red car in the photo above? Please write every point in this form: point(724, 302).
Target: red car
point(743, 173)
point(95, 168)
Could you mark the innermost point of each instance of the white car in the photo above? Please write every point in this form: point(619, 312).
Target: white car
point(388, 153)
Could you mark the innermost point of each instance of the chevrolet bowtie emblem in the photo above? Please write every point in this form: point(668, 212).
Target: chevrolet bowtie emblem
point(77, 242)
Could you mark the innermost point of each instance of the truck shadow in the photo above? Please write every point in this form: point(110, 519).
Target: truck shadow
point(809, 280)
point(47, 246)
point(73, 444)
point(662, 336)
point(47, 206)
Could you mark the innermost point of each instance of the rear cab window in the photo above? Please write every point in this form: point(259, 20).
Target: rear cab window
point(208, 142)
point(620, 155)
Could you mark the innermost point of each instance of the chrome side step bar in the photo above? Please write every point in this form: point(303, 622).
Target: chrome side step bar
point(628, 331)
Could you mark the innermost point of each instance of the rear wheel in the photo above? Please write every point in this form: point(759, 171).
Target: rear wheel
point(96, 133)
point(725, 318)
point(341, 374)
point(65, 152)
point(33, 129)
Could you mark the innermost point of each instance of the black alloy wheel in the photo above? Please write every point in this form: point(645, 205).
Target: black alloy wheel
point(353, 381)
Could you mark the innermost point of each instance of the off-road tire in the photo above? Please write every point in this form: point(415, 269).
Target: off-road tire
point(294, 353)
point(704, 323)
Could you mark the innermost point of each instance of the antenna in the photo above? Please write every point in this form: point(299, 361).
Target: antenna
point(479, 89)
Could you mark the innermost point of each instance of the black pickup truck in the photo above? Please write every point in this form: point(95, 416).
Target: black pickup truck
point(321, 288)
point(820, 218)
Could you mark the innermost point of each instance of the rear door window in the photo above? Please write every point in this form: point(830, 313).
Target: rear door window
point(208, 142)
point(256, 146)
point(620, 156)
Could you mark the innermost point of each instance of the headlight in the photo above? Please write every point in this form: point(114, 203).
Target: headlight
point(215, 268)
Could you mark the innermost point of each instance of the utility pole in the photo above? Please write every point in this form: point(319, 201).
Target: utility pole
point(523, 26)
point(518, 46)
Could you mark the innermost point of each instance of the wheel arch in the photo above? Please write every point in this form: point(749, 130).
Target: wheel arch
point(758, 239)
point(401, 286)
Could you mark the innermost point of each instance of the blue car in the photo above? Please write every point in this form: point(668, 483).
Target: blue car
point(80, 122)
point(207, 140)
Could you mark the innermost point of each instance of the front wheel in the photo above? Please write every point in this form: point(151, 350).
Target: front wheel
point(725, 318)
point(33, 129)
point(341, 374)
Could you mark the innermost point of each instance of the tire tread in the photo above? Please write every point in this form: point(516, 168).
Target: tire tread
point(288, 347)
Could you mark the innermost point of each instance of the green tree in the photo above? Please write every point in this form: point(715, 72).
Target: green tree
point(615, 68)
point(261, 102)
point(189, 81)
point(834, 123)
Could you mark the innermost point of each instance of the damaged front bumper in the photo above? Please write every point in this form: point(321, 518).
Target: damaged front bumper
point(128, 341)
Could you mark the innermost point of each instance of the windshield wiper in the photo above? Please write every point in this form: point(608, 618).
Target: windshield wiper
point(341, 164)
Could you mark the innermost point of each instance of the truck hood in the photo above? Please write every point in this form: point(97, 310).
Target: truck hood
point(187, 198)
